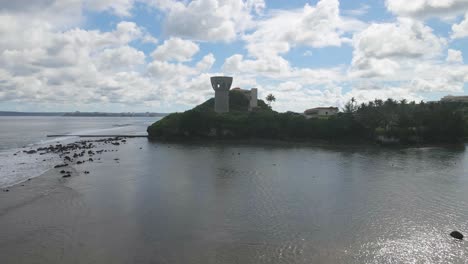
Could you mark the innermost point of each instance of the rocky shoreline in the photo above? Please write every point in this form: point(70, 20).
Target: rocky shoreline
point(74, 154)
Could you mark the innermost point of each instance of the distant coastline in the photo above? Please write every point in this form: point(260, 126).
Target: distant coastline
point(81, 114)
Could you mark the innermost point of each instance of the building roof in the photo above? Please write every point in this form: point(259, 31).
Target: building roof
point(455, 98)
point(316, 109)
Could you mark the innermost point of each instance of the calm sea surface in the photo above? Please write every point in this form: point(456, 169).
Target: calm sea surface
point(226, 203)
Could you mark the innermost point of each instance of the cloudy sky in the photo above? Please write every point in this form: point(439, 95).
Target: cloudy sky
point(158, 55)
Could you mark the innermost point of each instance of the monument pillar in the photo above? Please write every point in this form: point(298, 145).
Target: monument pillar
point(221, 85)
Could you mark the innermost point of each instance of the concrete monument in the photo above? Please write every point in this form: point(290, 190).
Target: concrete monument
point(221, 85)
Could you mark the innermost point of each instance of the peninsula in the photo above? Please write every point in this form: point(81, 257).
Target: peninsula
point(385, 122)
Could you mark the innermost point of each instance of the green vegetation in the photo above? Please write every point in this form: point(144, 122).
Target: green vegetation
point(384, 121)
point(270, 99)
point(413, 123)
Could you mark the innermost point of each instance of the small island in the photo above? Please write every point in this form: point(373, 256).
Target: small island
point(384, 122)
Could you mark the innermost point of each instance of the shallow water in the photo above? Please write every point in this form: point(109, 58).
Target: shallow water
point(24, 133)
point(231, 203)
point(179, 203)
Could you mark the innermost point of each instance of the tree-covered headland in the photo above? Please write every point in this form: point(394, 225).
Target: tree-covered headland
point(387, 121)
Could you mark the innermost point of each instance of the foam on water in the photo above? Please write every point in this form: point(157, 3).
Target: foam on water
point(22, 166)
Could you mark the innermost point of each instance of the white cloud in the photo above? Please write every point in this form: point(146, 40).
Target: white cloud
point(61, 14)
point(382, 49)
point(289, 86)
point(47, 58)
point(427, 8)
point(120, 58)
point(408, 54)
point(431, 77)
point(175, 49)
point(73, 67)
point(460, 30)
point(209, 20)
point(44, 62)
point(292, 96)
point(206, 63)
point(167, 70)
point(273, 66)
point(118, 7)
point(362, 10)
point(313, 26)
point(454, 56)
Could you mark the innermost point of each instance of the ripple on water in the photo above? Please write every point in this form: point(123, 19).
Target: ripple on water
point(428, 246)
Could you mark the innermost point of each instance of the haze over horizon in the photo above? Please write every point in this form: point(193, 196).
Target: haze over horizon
point(158, 55)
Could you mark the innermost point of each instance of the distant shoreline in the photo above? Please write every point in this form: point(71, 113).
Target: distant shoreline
point(81, 114)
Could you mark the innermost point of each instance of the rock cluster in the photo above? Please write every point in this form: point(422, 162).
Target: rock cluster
point(77, 152)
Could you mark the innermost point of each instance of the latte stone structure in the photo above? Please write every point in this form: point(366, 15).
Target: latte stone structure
point(221, 85)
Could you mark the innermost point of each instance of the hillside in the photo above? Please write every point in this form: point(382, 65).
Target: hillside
point(386, 122)
point(202, 122)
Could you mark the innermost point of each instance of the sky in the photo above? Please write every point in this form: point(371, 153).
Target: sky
point(158, 55)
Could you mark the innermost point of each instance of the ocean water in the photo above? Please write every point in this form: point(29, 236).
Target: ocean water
point(23, 133)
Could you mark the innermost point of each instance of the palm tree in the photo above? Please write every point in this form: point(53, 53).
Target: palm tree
point(351, 106)
point(270, 99)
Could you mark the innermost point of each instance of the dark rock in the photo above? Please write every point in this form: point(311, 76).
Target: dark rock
point(66, 176)
point(6, 190)
point(115, 143)
point(60, 165)
point(62, 171)
point(457, 235)
point(90, 159)
point(86, 172)
point(67, 158)
point(116, 159)
point(79, 162)
point(32, 151)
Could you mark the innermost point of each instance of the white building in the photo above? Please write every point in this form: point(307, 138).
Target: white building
point(321, 112)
